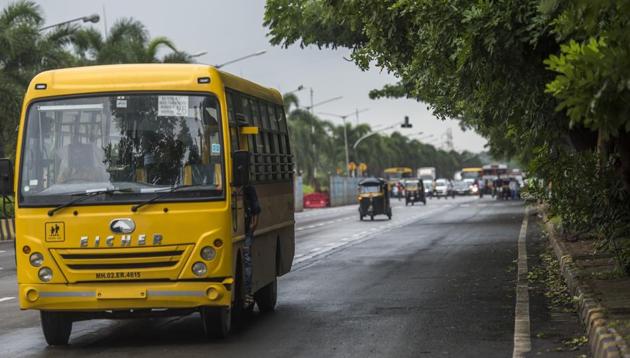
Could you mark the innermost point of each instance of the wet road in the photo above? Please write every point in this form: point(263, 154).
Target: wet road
point(434, 281)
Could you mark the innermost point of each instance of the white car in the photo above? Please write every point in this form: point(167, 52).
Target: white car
point(442, 188)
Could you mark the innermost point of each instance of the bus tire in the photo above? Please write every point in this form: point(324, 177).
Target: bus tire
point(57, 327)
point(267, 297)
point(217, 322)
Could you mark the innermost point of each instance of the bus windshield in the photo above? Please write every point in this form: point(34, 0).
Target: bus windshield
point(138, 143)
point(470, 175)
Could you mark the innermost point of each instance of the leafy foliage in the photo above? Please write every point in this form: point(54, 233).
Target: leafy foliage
point(546, 81)
point(25, 50)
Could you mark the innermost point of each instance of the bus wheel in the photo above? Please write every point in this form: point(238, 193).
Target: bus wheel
point(267, 297)
point(217, 321)
point(57, 327)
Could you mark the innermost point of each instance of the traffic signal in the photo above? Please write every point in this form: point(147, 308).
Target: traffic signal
point(406, 123)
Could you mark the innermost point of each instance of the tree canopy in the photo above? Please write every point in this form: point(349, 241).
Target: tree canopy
point(546, 81)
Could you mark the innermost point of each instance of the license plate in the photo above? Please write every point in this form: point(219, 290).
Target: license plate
point(128, 275)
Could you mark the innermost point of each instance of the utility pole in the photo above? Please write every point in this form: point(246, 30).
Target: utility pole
point(312, 105)
point(345, 133)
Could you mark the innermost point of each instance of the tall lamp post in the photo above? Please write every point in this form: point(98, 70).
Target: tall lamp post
point(310, 108)
point(345, 133)
point(94, 18)
point(403, 124)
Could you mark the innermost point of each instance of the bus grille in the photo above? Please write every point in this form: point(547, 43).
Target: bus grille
point(156, 262)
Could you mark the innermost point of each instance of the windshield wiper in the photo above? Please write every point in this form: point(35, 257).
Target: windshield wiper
point(86, 195)
point(161, 195)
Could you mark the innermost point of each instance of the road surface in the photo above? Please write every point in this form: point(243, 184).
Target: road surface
point(433, 281)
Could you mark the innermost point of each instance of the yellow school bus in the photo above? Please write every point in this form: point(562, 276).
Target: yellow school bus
point(396, 174)
point(128, 185)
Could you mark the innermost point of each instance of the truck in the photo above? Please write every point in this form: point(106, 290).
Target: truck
point(427, 176)
point(426, 173)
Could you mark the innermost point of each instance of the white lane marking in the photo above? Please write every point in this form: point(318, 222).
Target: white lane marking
point(325, 223)
point(522, 333)
point(4, 299)
point(357, 238)
point(2, 251)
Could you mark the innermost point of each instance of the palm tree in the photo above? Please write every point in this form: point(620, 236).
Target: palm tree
point(127, 42)
point(25, 51)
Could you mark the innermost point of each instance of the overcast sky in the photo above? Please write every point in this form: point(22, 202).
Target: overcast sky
point(231, 29)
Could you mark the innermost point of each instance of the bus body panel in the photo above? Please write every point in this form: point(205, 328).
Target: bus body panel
point(183, 226)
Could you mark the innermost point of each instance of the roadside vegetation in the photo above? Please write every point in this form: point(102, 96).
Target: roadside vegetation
point(26, 51)
point(319, 149)
point(544, 81)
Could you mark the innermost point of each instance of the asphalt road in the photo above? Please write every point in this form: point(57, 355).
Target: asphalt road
point(433, 281)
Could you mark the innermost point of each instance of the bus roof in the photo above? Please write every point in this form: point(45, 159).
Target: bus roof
point(471, 169)
point(144, 77)
point(398, 170)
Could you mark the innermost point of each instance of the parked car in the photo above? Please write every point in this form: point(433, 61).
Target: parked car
point(316, 200)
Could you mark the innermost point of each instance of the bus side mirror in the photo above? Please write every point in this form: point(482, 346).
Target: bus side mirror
point(240, 168)
point(6, 177)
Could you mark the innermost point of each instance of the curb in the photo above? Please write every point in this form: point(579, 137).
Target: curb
point(604, 341)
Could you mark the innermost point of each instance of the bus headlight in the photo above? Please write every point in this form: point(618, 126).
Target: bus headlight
point(208, 253)
point(45, 274)
point(199, 269)
point(36, 259)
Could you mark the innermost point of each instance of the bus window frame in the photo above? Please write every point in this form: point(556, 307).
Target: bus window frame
point(24, 116)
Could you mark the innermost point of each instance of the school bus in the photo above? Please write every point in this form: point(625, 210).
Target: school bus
point(128, 186)
point(395, 174)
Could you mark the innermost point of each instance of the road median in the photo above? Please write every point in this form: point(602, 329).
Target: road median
point(602, 297)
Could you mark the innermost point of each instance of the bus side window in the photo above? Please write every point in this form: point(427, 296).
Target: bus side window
point(273, 140)
point(260, 144)
point(284, 152)
point(233, 108)
point(264, 116)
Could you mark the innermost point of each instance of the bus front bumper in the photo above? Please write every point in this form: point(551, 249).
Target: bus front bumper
point(124, 295)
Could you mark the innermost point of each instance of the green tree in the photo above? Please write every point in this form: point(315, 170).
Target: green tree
point(128, 41)
point(25, 51)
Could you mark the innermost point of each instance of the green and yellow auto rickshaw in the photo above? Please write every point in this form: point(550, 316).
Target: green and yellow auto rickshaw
point(374, 198)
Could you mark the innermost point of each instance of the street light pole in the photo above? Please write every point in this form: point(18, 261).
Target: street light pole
point(94, 18)
point(403, 124)
point(198, 54)
point(345, 133)
point(241, 58)
point(310, 108)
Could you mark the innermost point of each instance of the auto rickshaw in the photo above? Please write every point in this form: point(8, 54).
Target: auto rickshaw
point(414, 192)
point(374, 198)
